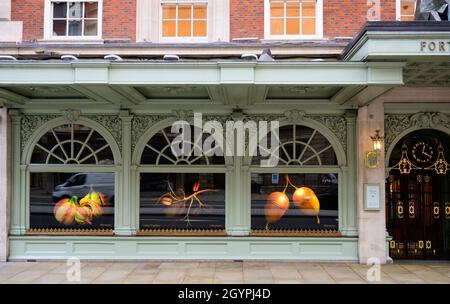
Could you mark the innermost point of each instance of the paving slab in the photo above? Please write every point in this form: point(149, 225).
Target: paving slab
point(222, 272)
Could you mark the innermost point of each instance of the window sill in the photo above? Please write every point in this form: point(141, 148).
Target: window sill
point(294, 38)
point(74, 40)
point(183, 40)
point(70, 232)
point(181, 232)
point(295, 233)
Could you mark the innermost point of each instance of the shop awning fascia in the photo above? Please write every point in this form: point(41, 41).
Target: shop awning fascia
point(379, 41)
point(199, 73)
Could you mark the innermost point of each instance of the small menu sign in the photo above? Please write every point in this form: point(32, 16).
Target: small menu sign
point(372, 197)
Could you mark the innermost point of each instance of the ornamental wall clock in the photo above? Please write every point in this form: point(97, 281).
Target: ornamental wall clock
point(422, 152)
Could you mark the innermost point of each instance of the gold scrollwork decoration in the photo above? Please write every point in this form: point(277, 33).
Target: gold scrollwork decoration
point(411, 210)
point(428, 244)
point(400, 210)
point(392, 244)
point(420, 244)
point(436, 210)
point(447, 210)
point(404, 166)
point(441, 166)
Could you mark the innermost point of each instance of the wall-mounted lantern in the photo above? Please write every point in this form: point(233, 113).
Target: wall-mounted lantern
point(373, 157)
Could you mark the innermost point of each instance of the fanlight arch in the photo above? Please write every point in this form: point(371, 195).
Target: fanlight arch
point(301, 145)
point(158, 149)
point(72, 144)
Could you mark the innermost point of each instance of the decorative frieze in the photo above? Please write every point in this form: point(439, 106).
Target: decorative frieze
point(140, 124)
point(113, 123)
point(336, 124)
point(29, 124)
point(395, 124)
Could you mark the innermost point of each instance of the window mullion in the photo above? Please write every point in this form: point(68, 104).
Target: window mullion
point(300, 23)
point(67, 19)
point(83, 7)
point(192, 20)
point(176, 19)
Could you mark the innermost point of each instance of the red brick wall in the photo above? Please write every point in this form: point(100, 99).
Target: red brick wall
point(342, 18)
point(246, 19)
point(119, 18)
point(345, 18)
point(31, 12)
point(388, 10)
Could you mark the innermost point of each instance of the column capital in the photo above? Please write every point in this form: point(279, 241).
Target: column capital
point(125, 116)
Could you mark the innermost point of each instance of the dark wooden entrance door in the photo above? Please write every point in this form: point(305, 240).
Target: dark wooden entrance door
point(418, 197)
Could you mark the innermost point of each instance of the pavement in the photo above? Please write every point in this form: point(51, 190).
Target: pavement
point(220, 272)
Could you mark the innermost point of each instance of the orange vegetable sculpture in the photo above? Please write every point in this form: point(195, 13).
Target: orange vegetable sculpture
point(306, 200)
point(95, 201)
point(65, 210)
point(276, 205)
point(176, 201)
point(303, 198)
point(69, 211)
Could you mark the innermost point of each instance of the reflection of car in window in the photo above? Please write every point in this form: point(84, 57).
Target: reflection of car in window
point(80, 184)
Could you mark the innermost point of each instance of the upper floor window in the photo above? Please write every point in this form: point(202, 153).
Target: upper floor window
point(73, 19)
point(406, 10)
point(184, 18)
point(293, 19)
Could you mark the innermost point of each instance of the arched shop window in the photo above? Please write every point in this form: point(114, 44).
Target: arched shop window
point(180, 193)
point(71, 180)
point(301, 193)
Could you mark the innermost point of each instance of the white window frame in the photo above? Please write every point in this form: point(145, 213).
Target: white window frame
point(48, 23)
point(398, 10)
point(319, 24)
point(184, 39)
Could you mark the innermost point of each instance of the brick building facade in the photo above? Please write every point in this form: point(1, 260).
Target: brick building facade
point(340, 18)
point(90, 90)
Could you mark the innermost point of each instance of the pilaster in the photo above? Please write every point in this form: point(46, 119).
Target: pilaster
point(238, 203)
point(371, 224)
point(4, 184)
point(124, 216)
point(349, 226)
point(17, 204)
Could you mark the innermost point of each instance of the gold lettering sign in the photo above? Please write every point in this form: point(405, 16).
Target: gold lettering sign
point(440, 46)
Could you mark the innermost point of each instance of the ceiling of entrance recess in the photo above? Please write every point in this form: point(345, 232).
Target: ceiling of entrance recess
point(427, 74)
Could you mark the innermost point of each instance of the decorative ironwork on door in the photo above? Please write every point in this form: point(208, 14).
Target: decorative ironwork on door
point(417, 197)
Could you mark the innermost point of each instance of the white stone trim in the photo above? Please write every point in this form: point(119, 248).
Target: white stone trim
point(11, 31)
point(148, 23)
point(398, 14)
point(48, 23)
point(319, 25)
point(4, 184)
point(5, 10)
